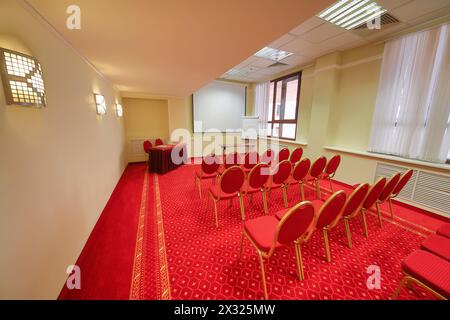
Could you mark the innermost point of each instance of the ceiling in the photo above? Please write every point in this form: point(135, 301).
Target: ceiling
point(316, 37)
point(173, 47)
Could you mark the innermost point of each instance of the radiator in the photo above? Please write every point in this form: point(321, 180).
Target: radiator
point(431, 190)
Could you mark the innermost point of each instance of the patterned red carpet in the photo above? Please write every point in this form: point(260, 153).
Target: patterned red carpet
point(177, 253)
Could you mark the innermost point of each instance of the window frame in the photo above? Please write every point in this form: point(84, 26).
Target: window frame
point(280, 122)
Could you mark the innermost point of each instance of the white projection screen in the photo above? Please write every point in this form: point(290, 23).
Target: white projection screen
point(219, 106)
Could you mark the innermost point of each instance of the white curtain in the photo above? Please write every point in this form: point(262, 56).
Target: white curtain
point(262, 104)
point(412, 110)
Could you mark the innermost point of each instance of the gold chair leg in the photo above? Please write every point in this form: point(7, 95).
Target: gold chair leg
point(380, 220)
point(263, 275)
point(242, 244)
point(318, 189)
point(215, 213)
point(241, 204)
point(283, 188)
point(347, 232)
point(199, 184)
point(302, 191)
point(331, 185)
point(391, 208)
point(263, 192)
point(363, 214)
point(231, 202)
point(403, 282)
point(327, 244)
point(298, 256)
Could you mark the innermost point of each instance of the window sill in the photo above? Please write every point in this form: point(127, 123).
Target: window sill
point(294, 142)
point(388, 157)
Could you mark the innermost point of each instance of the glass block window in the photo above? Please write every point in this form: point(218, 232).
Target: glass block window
point(22, 79)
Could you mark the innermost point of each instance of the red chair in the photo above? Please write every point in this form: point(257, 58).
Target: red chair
point(428, 271)
point(437, 245)
point(444, 230)
point(266, 234)
point(207, 170)
point(147, 146)
point(251, 159)
point(331, 168)
point(257, 182)
point(385, 194)
point(329, 213)
point(280, 178)
point(371, 199)
point(316, 172)
point(296, 155)
point(229, 187)
point(283, 154)
point(353, 207)
point(159, 142)
point(406, 176)
point(232, 159)
point(299, 174)
point(268, 156)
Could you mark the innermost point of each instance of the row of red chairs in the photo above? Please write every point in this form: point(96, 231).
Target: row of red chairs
point(429, 267)
point(148, 145)
point(297, 224)
point(234, 182)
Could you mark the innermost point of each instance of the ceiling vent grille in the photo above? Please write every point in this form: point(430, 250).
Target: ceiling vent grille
point(386, 19)
point(277, 64)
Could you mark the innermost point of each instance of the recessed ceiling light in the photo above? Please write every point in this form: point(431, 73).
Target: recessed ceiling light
point(272, 54)
point(349, 14)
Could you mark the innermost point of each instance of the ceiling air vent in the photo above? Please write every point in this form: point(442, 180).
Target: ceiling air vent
point(386, 19)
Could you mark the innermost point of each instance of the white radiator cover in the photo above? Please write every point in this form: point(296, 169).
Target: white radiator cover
point(428, 189)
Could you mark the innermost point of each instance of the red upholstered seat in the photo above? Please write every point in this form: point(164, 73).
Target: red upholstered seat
point(268, 156)
point(159, 142)
point(296, 155)
point(262, 231)
point(247, 188)
point(147, 146)
point(283, 154)
point(444, 230)
point(430, 269)
point(438, 245)
point(216, 193)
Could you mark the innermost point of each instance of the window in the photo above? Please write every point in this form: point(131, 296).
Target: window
point(283, 106)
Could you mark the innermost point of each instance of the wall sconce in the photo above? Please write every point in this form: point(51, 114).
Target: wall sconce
point(119, 110)
point(22, 79)
point(101, 104)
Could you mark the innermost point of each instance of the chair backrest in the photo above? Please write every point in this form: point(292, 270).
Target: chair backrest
point(296, 155)
point(159, 142)
point(283, 154)
point(268, 156)
point(296, 223)
point(355, 200)
point(374, 193)
point(232, 159)
point(317, 167)
point(251, 159)
point(232, 179)
point(402, 182)
point(332, 209)
point(257, 178)
point(332, 165)
point(389, 187)
point(210, 164)
point(301, 169)
point(147, 146)
point(282, 172)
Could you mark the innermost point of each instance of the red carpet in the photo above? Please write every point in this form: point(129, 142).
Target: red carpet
point(177, 253)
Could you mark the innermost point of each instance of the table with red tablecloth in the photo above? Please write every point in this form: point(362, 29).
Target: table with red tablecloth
point(167, 157)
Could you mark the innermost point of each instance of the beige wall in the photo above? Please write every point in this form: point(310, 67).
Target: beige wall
point(58, 165)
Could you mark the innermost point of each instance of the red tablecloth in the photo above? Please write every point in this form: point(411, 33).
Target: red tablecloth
point(161, 159)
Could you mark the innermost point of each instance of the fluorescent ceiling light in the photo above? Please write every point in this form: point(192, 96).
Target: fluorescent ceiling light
point(349, 14)
point(272, 54)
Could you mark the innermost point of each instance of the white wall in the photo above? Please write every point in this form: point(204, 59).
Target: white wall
point(58, 165)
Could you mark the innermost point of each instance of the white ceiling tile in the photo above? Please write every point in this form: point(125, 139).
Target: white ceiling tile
point(296, 60)
point(417, 8)
point(261, 62)
point(281, 41)
point(392, 4)
point(322, 33)
point(344, 39)
point(305, 48)
point(430, 16)
point(307, 25)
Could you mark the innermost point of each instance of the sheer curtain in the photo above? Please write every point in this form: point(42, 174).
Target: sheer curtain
point(261, 104)
point(412, 110)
